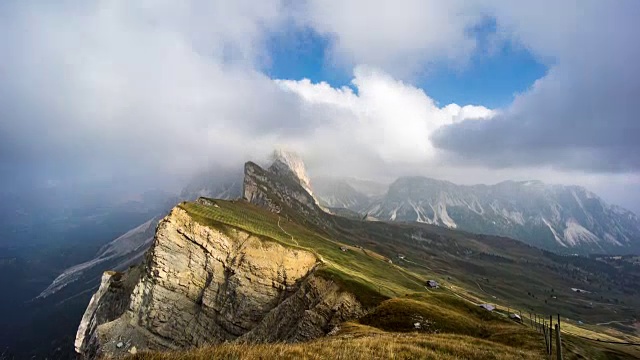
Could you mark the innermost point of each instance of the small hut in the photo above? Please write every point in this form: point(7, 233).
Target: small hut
point(432, 284)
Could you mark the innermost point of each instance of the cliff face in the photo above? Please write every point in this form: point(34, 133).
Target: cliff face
point(109, 302)
point(281, 192)
point(285, 162)
point(202, 284)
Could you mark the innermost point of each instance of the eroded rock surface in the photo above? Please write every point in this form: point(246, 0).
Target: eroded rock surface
point(203, 284)
point(108, 303)
point(281, 192)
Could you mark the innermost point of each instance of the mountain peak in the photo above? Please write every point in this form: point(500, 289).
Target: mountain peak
point(287, 161)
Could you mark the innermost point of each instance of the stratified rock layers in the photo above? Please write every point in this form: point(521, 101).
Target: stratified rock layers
point(208, 284)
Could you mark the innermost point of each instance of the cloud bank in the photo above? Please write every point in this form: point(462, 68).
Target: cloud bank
point(142, 92)
point(582, 114)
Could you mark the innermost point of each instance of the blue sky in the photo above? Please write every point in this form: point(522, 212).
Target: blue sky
point(495, 72)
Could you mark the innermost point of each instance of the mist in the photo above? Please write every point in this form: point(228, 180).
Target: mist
point(105, 101)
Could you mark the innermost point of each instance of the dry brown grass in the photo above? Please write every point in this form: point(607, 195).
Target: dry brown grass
point(452, 329)
point(372, 346)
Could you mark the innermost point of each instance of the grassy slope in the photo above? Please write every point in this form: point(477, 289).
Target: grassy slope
point(365, 347)
point(374, 280)
point(364, 272)
point(456, 330)
point(501, 270)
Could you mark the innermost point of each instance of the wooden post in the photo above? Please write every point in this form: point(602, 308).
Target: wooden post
point(558, 341)
point(550, 334)
point(539, 323)
point(546, 340)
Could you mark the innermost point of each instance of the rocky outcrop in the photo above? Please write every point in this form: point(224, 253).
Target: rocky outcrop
point(315, 309)
point(107, 304)
point(203, 284)
point(290, 164)
point(280, 191)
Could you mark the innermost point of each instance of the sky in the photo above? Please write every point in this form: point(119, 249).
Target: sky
point(127, 95)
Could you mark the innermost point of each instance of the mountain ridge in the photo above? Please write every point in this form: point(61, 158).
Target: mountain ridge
point(564, 218)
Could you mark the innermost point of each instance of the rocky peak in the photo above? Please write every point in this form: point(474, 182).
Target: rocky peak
point(280, 193)
point(290, 163)
point(283, 188)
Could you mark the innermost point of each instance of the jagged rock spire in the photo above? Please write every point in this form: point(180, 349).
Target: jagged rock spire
point(284, 160)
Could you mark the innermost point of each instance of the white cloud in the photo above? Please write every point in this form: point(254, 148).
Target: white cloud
point(386, 117)
point(582, 114)
point(116, 88)
point(400, 36)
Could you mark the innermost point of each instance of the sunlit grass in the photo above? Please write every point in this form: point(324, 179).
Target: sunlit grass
point(373, 346)
point(372, 278)
point(454, 328)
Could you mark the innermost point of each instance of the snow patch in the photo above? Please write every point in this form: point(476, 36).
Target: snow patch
point(577, 198)
point(611, 239)
point(394, 213)
point(420, 215)
point(444, 217)
point(553, 231)
point(575, 233)
point(514, 216)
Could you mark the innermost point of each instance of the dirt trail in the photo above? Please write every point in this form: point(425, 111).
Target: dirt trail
point(285, 231)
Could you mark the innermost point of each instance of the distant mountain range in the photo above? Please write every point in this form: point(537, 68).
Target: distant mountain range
point(565, 219)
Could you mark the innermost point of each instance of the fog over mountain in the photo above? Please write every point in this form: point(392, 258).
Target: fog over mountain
point(119, 97)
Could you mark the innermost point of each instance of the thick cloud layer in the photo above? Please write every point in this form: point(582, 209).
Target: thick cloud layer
point(401, 36)
point(583, 113)
point(126, 89)
point(147, 92)
point(387, 122)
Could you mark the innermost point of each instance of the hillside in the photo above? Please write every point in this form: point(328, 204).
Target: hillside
point(275, 267)
point(565, 219)
point(390, 331)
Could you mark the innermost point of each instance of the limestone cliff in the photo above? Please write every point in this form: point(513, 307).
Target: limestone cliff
point(207, 284)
